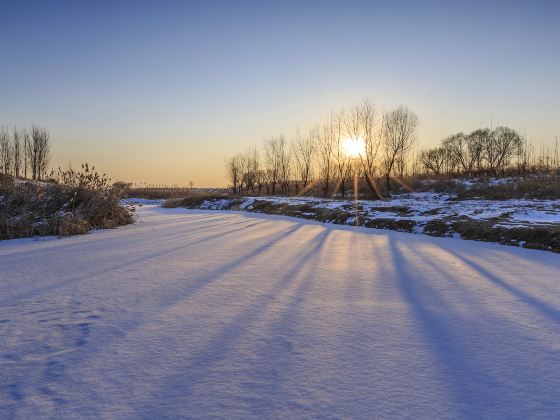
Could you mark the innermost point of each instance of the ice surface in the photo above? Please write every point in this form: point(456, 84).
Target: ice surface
point(228, 314)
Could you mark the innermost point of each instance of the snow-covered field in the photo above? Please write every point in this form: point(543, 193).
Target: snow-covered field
point(230, 314)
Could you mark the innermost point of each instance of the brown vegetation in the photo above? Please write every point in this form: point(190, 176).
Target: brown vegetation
point(75, 203)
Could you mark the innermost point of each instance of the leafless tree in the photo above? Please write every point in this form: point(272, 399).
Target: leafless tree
point(399, 133)
point(249, 163)
point(278, 159)
point(26, 141)
point(233, 169)
point(457, 147)
point(266, 176)
point(341, 159)
point(304, 147)
point(476, 142)
point(6, 153)
point(325, 149)
point(243, 160)
point(434, 159)
point(261, 180)
point(506, 143)
point(361, 124)
point(371, 142)
point(38, 151)
point(285, 158)
point(254, 167)
point(272, 159)
point(17, 150)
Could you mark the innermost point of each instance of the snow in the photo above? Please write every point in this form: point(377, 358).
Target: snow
point(192, 313)
point(141, 201)
point(424, 207)
point(215, 204)
point(536, 216)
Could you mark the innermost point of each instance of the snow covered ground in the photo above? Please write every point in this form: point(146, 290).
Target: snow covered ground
point(230, 314)
point(425, 207)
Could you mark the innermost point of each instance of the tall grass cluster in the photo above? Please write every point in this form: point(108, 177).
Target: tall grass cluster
point(71, 203)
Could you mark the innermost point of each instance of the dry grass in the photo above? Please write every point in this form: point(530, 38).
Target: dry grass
point(194, 200)
point(163, 192)
point(76, 203)
point(542, 187)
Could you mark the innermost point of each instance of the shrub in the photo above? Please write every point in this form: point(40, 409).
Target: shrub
point(73, 224)
point(76, 203)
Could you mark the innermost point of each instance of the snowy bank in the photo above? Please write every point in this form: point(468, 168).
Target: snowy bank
point(519, 222)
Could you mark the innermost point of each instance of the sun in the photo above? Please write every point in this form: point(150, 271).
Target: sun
point(354, 147)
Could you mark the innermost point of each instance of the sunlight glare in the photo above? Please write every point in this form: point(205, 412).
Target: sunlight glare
point(354, 147)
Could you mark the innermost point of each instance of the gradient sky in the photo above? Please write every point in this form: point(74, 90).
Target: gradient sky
point(163, 91)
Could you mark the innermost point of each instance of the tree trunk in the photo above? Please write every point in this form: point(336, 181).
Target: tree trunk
point(388, 181)
point(371, 186)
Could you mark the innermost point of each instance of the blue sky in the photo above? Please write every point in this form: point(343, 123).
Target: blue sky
point(162, 92)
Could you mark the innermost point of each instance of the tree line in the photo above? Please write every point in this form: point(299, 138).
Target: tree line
point(24, 152)
point(481, 151)
point(318, 159)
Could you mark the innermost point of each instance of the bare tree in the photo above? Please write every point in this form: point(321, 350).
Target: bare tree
point(325, 148)
point(304, 148)
point(434, 159)
point(26, 141)
point(38, 151)
point(476, 142)
point(341, 159)
point(285, 160)
point(233, 172)
point(272, 159)
point(361, 125)
point(261, 180)
point(278, 158)
point(17, 150)
point(399, 133)
point(506, 144)
point(243, 160)
point(44, 154)
point(249, 166)
point(5, 151)
point(254, 167)
point(458, 151)
point(372, 142)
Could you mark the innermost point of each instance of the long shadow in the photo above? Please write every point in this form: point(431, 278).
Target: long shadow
point(467, 383)
point(174, 219)
point(541, 307)
point(287, 323)
point(57, 248)
point(171, 298)
point(13, 300)
point(546, 259)
point(181, 383)
point(466, 293)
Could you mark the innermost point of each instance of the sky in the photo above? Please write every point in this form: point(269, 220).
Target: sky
point(162, 92)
